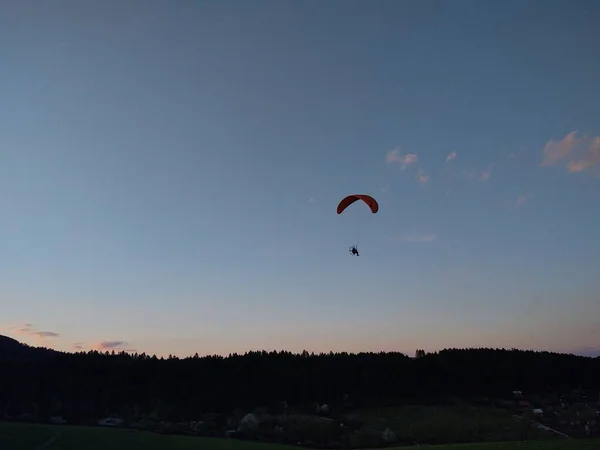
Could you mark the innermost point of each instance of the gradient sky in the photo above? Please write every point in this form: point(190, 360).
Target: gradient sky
point(169, 173)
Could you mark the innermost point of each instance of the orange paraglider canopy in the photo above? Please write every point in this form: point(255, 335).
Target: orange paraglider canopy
point(370, 201)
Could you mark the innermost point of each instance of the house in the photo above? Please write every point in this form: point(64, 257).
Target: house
point(110, 422)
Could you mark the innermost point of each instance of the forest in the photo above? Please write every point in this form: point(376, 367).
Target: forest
point(89, 385)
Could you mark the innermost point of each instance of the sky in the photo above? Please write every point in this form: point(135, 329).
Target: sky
point(170, 171)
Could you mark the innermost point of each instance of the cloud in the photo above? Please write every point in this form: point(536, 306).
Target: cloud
point(522, 200)
point(310, 200)
point(106, 345)
point(385, 188)
point(44, 334)
point(484, 175)
point(29, 330)
point(395, 157)
point(555, 151)
point(577, 154)
point(121, 346)
point(452, 155)
point(26, 328)
point(421, 176)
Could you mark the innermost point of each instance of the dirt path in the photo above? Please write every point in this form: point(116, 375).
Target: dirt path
point(544, 427)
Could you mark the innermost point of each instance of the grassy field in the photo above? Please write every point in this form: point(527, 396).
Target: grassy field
point(556, 444)
point(19, 436)
point(439, 424)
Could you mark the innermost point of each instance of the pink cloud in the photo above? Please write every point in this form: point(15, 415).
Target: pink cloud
point(578, 154)
point(26, 328)
point(555, 151)
point(452, 155)
point(106, 345)
point(29, 330)
point(78, 345)
point(44, 334)
point(421, 176)
point(395, 157)
point(118, 346)
point(522, 200)
point(591, 158)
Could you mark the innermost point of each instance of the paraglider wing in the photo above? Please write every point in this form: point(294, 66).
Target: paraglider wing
point(370, 201)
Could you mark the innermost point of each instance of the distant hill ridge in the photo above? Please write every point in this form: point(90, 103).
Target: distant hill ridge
point(13, 350)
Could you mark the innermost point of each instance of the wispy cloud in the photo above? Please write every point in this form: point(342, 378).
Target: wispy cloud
point(522, 200)
point(78, 345)
point(25, 328)
point(478, 174)
point(403, 160)
point(421, 176)
point(484, 175)
point(29, 330)
point(121, 346)
point(385, 188)
point(452, 155)
point(555, 151)
point(310, 200)
point(45, 334)
point(577, 154)
point(106, 345)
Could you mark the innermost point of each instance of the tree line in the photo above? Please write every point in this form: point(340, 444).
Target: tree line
point(88, 385)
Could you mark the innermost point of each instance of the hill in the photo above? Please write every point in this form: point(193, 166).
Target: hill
point(13, 350)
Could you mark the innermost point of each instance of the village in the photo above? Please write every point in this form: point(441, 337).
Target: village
point(575, 414)
point(572, 415)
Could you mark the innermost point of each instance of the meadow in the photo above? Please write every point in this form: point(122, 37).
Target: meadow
point(20, 436)
point(451, 423)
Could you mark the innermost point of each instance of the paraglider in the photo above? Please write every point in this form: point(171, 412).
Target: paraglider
point(347, 201)
point(350, 199)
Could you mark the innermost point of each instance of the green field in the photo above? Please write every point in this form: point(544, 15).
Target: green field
point(19, 436)
point(556, 444)
point(452, 423)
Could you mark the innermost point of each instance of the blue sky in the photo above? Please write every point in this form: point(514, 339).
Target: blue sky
point(169, 174)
